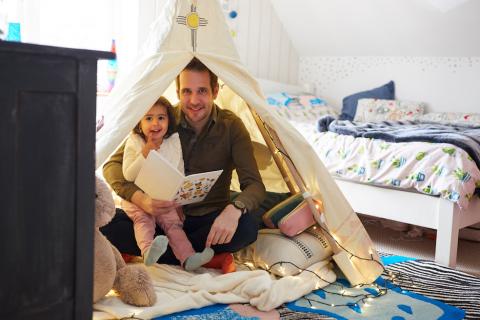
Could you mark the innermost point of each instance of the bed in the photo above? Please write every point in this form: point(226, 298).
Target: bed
point(447, 212)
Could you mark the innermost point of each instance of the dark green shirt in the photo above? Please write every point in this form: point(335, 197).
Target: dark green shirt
point(224, 144)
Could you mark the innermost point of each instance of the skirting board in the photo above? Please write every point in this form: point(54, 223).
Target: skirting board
point(415, 208)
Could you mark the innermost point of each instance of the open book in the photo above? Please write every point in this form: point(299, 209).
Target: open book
point(161, 180)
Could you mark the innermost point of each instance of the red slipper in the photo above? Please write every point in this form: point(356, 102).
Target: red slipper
point(223, 261)
point(127, 257)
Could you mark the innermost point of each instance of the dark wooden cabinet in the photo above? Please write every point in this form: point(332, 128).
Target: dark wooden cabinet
point(47, 163)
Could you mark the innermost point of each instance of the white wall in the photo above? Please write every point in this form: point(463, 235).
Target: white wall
point(262, 42)
point(430, 48)
point(445, 84)
point(417, 28)
point(264, 46)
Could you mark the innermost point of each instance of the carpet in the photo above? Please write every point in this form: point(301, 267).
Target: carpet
point(400, 242)
point(428, 291)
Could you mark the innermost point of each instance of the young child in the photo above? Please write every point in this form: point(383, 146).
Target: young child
point(156, 132)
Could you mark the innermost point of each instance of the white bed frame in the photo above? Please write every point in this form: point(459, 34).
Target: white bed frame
point(405, 206)
point(415, 208)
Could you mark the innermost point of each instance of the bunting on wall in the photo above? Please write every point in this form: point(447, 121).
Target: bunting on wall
point(230, 10)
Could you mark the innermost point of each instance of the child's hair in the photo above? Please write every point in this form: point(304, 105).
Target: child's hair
point(162, 101)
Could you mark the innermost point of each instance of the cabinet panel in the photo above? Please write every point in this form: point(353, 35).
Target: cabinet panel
point(47, 138)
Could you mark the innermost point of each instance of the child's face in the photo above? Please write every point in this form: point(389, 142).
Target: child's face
point(154, 123)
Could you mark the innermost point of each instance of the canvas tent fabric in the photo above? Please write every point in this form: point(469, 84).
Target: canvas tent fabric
point(188, 29)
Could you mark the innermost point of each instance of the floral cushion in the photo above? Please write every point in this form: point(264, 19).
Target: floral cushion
point(374, 110)
point(452, 117)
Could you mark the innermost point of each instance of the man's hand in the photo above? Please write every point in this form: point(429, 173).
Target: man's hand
point(152, 206)
point(224, 226)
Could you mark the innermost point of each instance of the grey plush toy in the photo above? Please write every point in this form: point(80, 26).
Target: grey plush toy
point(131, 282)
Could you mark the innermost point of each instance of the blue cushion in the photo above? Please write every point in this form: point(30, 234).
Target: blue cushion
point(387, 92)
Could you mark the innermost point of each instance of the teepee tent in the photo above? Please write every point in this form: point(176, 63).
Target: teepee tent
point(196, 28)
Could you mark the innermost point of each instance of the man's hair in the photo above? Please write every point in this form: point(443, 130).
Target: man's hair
point(197, 65)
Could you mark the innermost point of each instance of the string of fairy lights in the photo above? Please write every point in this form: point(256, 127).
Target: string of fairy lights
point(395, 278)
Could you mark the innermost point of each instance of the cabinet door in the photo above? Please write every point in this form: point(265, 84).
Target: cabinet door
point(46, 170)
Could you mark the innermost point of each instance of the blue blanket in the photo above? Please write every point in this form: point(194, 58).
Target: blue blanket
point(462, 136)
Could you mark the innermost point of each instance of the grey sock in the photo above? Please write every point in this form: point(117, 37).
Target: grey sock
point(198, 259)
point(157, 248)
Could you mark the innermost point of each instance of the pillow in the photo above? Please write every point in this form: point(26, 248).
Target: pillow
point(272, 247)
point(278, 99)
point(387, 91)
point(297, 220)
point(309, 101)
point(299, 108)
point(372, 110)
point(452, 117)
point(284, 99)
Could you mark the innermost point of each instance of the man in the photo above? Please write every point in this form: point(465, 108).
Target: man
point(212, 139)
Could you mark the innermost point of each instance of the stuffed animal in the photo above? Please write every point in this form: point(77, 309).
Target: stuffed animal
point(131, 282)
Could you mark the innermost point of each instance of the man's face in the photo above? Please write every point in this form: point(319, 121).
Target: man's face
point(196, 96)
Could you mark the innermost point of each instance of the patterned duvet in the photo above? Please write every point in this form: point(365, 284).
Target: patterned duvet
point(439, 169)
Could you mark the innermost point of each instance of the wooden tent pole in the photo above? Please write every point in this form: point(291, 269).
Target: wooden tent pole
point(282, 165)
point(285, 164)
point(289, 171)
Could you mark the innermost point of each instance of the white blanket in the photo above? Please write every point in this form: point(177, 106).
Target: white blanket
point(178, 290)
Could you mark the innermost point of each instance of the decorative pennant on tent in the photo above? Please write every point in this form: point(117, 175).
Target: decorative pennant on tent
point(193, 21)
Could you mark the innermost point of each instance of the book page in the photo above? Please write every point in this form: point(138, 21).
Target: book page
point(158, 178)
point(196, 187)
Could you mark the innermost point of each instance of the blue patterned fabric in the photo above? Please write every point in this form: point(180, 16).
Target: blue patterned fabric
point(213, 312)
point(388, 260)
point(397, 304)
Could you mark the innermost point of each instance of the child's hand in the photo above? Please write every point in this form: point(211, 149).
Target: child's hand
point(151, 144)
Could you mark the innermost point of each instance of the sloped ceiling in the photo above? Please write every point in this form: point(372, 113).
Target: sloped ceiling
point(382, 27)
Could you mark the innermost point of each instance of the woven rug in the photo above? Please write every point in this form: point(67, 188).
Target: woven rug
point(428, 291)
